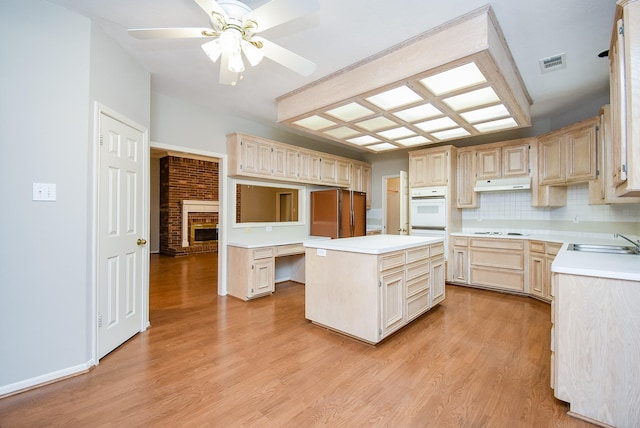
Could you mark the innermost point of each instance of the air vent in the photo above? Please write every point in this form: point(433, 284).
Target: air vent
point(553, 63)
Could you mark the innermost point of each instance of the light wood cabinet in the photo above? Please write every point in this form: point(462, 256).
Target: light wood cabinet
point(515, 160)
point(489, 163)
point(460, 260)
point(541, 256)
point(595, 353)
point(497, 263)
point(429, 167)
point(624, 57)
point(409, 282)
point(568, 155)
point(508, 159)
point(252, 156)
point(361, 179)
point(466, 179)
point(253, 269)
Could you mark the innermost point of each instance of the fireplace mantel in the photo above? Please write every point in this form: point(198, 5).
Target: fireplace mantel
point(191, 206)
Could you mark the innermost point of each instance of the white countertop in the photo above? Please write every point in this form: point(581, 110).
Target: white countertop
point(374, 244)
point(615, 266)
point(271, 241)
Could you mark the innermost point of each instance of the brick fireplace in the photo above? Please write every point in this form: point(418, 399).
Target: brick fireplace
point(188, 196)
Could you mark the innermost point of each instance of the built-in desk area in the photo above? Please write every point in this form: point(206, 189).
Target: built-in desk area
point(255, 267)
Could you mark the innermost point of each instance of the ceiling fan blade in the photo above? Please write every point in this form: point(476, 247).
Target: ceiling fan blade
point(227, 77)
point(169, 33)
point(277, 12)
point(211, 6)
point(285, 57)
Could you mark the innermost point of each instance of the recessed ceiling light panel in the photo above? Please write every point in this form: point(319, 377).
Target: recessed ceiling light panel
point(484, 114)
point(465, 76)
point(496, 125)
point(342, 132)
point(365, 139)
point(376, 123)
point(395, 133)
point(413, 141)
point(437, 124)
point(415, 114)
point(349, 112)
point(451, 133)
point(479, 97)
point(381, 147)
point(314, 122)
point(393, 98)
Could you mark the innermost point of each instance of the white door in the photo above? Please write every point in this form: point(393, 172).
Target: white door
point(404, 203)
point(122, 271)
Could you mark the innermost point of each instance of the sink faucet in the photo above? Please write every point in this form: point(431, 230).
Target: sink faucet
point(636, 244)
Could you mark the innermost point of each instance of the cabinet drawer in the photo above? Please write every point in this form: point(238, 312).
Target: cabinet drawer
point(536, 247)
point(437, 249)
point(417, 269)
point(460, 241)
point(262, 253)
point(418, 304)
point(417, 285)
point(506, 279)
point(552, 248)
point(497, 259)
point(392, 260)
point(285, 250)
point(499, 244)
point(417, 254)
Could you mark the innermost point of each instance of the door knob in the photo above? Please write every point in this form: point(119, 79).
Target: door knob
point(142, 241)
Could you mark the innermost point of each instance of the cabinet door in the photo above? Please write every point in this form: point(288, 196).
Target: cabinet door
point(392, 299)
point(466, 179)
point(262, 277)
point(489, 164)
point(437, 275)
point(417, 170)
point(437, 169)
point(581, 156)
point(366, 183)
point(292, 164)
point(343, 172)
point(460, 265)
point(515, 160)
point(279, 161)
point(249, 156)
point(356, 177)
point(551, 161)
point(265, 152)
point(329, 168)
point(537, 277)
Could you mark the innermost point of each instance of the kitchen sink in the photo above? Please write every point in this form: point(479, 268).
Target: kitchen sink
point(608, 249)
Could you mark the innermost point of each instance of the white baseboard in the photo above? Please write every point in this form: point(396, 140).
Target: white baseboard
point(45, 379)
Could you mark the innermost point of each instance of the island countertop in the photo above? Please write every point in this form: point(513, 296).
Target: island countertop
point(374, 244)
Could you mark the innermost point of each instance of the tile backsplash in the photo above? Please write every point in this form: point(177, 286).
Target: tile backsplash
point(509, 210)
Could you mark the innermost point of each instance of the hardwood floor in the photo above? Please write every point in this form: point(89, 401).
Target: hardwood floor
point(479, 359)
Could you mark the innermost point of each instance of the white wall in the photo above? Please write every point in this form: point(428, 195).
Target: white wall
point(47, 83)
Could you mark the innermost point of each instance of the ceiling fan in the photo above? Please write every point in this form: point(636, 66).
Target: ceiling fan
point(234, 29)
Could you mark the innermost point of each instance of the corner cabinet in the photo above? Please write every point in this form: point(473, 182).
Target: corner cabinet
point(256, 157)
point(624, 57)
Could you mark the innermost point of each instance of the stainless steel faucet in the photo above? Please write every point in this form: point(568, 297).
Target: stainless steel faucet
point(636, 244)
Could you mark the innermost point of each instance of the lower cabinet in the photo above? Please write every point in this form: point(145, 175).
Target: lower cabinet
point(497, 263)
point(460, 260)
point(541, 255)
point(370, 296)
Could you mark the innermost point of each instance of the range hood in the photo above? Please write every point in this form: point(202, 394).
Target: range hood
point(503, 184)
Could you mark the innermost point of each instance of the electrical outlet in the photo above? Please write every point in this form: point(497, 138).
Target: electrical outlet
point(44, 192)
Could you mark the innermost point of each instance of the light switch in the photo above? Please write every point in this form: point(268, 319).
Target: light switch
point(44, 192)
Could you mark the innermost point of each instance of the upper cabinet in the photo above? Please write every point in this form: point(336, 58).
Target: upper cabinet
point(509, 159)
point(568, 155)
point(251, 156)
point(361, 179)
point(429, 167)
point(624, 57)
point(466, 179)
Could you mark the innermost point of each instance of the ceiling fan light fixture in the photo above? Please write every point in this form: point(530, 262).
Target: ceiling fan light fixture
point(253, 54)
point(235, 62)
point(213, 49)
point(230, 39)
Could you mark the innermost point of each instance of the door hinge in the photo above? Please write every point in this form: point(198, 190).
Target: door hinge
point(624, 167)
point(101, 140)
point(99, 320)
point(621, 30)
point(379, 283)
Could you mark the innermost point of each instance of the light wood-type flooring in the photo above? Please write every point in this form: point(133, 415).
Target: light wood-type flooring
point(480, 359)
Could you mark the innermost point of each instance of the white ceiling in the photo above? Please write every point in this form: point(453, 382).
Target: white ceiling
point(343, 32)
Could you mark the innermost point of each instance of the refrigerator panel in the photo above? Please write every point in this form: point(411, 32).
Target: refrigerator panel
point(324, 213)
point(360, 213)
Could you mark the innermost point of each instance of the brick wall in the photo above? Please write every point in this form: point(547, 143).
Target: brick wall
point(185, 179)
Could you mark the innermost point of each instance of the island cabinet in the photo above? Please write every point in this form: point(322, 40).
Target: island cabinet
point(497, 263)
point(541, 255)
point(624, 58)
point(370, 295)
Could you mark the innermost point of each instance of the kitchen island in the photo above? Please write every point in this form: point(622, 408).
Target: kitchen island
point(369, 287)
